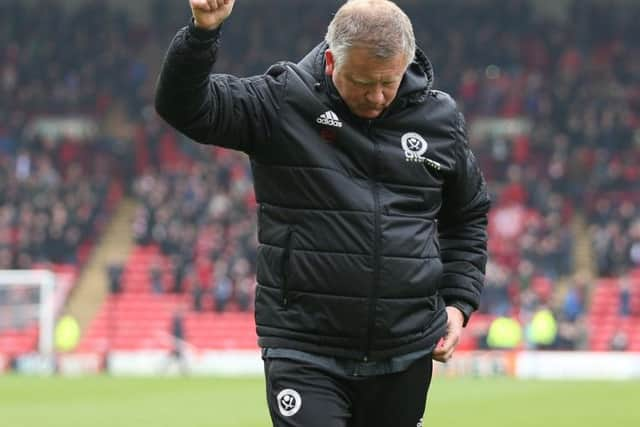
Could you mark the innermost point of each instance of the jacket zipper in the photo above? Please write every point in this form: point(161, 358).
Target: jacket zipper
point(373, 296)
point(284, 268)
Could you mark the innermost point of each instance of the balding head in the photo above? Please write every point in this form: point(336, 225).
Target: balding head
point(378, 26)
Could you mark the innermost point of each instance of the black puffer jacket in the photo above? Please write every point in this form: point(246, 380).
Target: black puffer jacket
point(367, 228)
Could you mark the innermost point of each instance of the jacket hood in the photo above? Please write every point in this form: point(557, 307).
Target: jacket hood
point(417, 81)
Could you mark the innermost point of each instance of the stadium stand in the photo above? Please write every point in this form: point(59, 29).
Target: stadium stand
point(53, 206)
point(564, 230)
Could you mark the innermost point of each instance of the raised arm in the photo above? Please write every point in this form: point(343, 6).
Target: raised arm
point(217, 109)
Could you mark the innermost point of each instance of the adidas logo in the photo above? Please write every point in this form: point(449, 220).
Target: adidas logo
point(330, 119)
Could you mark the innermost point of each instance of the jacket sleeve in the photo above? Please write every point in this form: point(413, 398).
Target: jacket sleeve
point(216, 109)
point(462, 228)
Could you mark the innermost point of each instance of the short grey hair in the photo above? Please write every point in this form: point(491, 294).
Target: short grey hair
point(378, 25)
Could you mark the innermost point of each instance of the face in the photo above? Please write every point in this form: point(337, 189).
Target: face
point(367, 84)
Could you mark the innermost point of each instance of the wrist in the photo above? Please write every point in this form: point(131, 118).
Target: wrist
point(455, 311)
point(205, 27)
point(464, 309)
point(201, 34)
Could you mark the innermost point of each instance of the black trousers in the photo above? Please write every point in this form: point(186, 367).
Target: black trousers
point(300, 394)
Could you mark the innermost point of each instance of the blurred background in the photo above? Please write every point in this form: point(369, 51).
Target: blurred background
point(152, 238)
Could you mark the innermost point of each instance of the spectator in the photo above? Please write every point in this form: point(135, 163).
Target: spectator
point(197, 294)
point(223, 287)
point(244, 291)
point(573, 307)
point(619, 341)
point(571, 335)
point(178, 354)
point(156, 277)
point(114, 272)
point(624, 298)
point(542, 330)
point(496, 299)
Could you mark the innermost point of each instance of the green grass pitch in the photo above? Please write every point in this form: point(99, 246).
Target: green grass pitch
point(224, 402)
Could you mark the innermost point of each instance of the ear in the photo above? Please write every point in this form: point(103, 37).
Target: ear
point(330, 62)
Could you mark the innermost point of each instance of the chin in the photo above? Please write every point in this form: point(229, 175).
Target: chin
point(369, 114)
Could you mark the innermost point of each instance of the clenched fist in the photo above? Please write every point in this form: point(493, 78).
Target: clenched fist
point(209, 14)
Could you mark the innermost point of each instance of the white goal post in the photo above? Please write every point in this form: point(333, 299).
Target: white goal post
point(27, 297)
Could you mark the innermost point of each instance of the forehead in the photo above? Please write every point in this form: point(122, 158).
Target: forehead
point(359, 62)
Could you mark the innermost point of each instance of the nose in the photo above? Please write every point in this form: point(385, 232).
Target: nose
point(375, 96)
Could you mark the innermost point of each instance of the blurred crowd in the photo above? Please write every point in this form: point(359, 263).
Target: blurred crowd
point(574, 83)
point(54, 62)
point(202, 219)
point(51, 203)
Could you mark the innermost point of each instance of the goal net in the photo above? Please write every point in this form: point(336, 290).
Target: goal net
point(27, 312)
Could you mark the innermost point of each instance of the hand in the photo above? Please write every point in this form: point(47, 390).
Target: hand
point(447, 345)
point(209, 14)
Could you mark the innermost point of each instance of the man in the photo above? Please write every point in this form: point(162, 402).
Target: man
point(372, 210)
